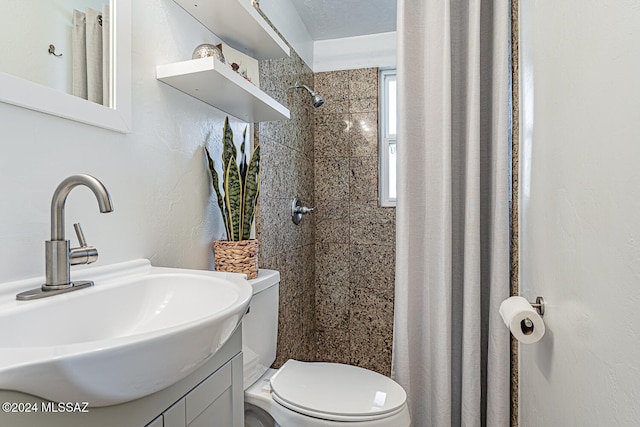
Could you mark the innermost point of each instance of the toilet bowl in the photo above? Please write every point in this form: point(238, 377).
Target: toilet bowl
point(308, 394)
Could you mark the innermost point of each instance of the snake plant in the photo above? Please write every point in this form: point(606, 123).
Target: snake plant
point(240, 185)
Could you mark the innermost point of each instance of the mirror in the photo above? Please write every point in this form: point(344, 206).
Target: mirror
point(49, 95)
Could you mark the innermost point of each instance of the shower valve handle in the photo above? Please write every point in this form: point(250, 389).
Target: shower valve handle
point(302, 210)
point(297, 210)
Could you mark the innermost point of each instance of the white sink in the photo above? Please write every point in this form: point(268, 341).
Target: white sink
point(138, 330)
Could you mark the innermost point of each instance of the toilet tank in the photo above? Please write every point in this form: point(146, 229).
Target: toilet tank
point(260, 326)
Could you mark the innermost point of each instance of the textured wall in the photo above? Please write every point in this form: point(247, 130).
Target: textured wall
point(157, 175)
point(579, 204)
point(355, 239)
point(287, 171)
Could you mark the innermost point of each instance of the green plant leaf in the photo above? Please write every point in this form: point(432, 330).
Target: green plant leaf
point(216, 186)
point(233, 200)
point(243, 156)
point(229, 152)
point(250, 192)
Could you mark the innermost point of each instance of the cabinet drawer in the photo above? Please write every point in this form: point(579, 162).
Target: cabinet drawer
point(175, 416)
point(158, 422)
point(207, 392)
point(218, 414)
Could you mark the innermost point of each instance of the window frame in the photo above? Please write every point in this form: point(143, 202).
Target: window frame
point(385, 139)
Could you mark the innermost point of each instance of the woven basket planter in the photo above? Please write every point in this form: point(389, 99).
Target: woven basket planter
point(236, 257)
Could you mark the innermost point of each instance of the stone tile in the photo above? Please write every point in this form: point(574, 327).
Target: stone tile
point(305, 177)
point(290, 279)
point(271, 68)
point(332, 265)
point(363, 83)
point(269, 217)
point(331, 178)
point(363, 137)
point(309, 268)
point(287, 291)
point(331, 136)
point(370, 224)
point(363, 105)
point(273, 170)
point(298, 130)
point(288, 169)
point(332, 221)
point(308, 296)
point(371, 329)
point(289, 331)
point(268, 259)
point(334, 297)
point(333, 86)
point(372, 310)
point(363, 180)
point(332, 307)
point(269, 132)
point(333, 346)
point(307, 228)
point(372, 267)
point(371, 351)
point(308, 323)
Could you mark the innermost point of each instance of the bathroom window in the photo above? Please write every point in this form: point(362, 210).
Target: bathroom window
point(387, 152)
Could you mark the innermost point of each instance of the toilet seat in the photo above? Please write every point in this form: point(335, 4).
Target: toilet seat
point(336, 392)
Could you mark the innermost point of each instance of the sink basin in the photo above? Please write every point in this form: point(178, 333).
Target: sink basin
point(138, 330)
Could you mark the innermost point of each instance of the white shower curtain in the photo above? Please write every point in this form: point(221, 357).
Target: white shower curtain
point(451, 349)
point(91, 60)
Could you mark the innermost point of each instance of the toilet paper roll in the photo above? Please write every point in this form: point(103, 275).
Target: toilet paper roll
point(522, 319)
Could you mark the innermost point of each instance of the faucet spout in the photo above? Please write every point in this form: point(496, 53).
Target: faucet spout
point(59, 255)
point(60, 197)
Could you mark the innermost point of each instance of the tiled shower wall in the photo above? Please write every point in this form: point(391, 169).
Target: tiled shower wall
point(337, 266)
point(355, 238)
point(286, 172)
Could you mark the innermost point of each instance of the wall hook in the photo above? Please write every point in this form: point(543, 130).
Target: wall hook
point(52, 51)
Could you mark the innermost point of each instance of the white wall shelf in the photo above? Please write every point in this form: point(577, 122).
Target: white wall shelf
point(216, 84)
point(240, 25)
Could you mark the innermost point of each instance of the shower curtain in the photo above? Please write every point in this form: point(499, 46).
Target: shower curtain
point(90, 40)
point(451, 349)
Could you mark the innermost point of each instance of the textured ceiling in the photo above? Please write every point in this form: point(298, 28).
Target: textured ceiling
point(332, 19)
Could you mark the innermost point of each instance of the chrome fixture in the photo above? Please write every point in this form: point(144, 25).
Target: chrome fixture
point(538, 305)
point(527, 324)
point(297, 210)
point(315, 98)
point(59, 254)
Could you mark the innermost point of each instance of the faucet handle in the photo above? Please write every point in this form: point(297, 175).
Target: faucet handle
point(84, 254)
point(80, 234)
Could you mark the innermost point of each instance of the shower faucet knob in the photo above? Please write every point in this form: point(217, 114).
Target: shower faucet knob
point(297, 210)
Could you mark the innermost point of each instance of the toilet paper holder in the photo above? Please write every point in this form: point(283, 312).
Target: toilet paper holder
point(538, 305)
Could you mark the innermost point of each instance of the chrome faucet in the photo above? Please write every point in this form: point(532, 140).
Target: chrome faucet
point(59, 254)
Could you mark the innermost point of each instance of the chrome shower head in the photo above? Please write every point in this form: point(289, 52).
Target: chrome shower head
point(316, 99)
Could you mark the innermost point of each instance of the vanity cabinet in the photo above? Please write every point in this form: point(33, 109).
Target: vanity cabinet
point(210, 403)
point(213, 395)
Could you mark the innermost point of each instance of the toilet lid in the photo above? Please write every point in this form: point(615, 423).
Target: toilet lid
point(336, 392)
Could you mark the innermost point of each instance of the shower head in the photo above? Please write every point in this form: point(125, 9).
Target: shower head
point(316, 99)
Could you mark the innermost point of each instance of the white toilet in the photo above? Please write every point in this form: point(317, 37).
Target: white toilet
point(308, 394)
